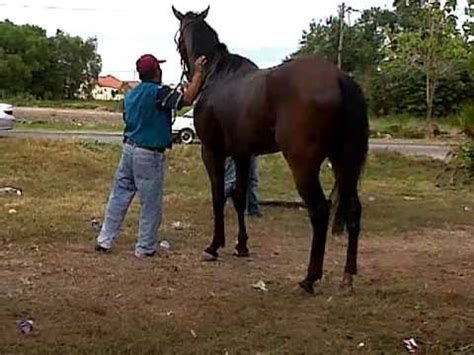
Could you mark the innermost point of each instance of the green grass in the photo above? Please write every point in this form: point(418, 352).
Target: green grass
point(101, 105)
point(111, 106)
point(398, 193)
point(409, 127)
point(63, 126)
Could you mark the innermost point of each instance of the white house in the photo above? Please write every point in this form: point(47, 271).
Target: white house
point(108, 88)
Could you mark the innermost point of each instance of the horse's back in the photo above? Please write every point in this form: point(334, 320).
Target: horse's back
point(246, 113)
point(305, 97)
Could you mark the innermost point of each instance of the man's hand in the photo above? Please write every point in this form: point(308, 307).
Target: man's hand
point(192, 90)
point(199, 65)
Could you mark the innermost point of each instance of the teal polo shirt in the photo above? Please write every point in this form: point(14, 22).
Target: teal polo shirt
point(147, 115)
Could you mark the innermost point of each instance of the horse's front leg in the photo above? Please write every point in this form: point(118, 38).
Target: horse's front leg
point(214, 163)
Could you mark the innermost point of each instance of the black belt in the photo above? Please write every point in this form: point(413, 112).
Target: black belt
point(133, 144)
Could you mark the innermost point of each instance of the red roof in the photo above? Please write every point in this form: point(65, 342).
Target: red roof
point(110, 81)
point(132, 83)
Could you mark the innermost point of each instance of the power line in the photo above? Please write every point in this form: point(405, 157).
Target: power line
point(59, 8)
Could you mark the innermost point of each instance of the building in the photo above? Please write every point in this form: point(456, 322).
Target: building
point(108, 88)
point(129, 85)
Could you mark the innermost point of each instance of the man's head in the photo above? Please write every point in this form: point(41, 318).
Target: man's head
point(148, 68)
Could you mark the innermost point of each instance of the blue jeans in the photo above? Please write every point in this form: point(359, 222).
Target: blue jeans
point(141, 171)
point(252, 183)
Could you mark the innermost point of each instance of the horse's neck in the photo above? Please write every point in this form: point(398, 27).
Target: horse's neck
point(225, 66)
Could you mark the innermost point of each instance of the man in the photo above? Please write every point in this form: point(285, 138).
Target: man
point(147, 134)
point(253, 209)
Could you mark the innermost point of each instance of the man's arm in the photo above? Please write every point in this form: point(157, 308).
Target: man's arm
point(174, 100)
point(193, 88)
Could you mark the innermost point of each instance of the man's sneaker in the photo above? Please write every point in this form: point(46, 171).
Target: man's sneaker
point(101, 249)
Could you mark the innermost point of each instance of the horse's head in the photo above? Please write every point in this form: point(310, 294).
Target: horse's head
point(196, 38)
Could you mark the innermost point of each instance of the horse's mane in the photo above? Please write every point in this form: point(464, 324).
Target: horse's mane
point(206, 42)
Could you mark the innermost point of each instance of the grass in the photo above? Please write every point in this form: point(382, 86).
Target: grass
point(78, 104)
point(111, 106)
point(113, 126)
point(416, 260)
point(408, 127)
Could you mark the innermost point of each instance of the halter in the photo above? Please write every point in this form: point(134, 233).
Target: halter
point(184, 66)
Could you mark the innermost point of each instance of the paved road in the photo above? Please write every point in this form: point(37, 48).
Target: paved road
point(433, 150)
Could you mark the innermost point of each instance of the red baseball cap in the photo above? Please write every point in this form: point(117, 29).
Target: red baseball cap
point(147, 63)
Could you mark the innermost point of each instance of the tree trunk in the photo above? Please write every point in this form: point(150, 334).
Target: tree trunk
point(430, 94)
point(342, 14)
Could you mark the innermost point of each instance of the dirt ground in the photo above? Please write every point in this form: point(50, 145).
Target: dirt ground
point(67, 116)
point(415, 278)
point(411, 285)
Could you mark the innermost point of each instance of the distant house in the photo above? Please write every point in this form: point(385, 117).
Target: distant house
point(108, 88)
point(129, 85)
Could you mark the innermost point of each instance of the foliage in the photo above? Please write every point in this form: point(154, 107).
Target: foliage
point(411, 59)
point(45, 67)
point(466, 120)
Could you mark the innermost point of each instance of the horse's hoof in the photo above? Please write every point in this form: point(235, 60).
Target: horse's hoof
point(241, 253)
point(347, 283)
point(307, 286)
point(209, 255)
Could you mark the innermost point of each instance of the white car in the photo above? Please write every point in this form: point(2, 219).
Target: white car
point(6, 116)
point(183, 128)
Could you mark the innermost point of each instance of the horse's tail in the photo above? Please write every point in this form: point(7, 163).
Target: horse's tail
point(350, 151)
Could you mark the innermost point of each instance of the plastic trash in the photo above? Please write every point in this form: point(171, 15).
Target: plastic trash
point(11, 190)
point(96, 224)
point(260, 285)
point(178, 225)
point(26, 326)
point(410, 345)
point(12, 211)
point(164, 244)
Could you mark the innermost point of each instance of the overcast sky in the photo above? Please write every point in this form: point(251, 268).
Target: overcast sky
point(264, 31)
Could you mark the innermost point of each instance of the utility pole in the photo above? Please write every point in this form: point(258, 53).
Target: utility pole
point(342, 14)
point(343, 10)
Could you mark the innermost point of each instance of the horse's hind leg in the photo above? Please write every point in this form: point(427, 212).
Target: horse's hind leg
point(354, 211)
point(239, 197)
point(348, 215)
point(306, 176)
point(215, 168)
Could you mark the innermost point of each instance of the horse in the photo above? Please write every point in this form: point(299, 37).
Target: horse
point(305, 108)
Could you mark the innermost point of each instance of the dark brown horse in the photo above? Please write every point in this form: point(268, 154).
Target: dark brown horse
point(306, 108)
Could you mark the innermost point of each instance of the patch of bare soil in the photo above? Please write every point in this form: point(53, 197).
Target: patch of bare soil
point(410, 285)
point(68, 116)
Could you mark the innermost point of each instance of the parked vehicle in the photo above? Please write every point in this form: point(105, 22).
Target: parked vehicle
point(183, 128)
point(6, 116)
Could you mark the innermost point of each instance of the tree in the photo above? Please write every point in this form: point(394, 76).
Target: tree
point(54, 67)
point(363, 40)
point(433, 46)
point(411, 59)
point(77, 63)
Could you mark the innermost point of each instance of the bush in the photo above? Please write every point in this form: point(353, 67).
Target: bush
point(460, 169)
point(466, 120)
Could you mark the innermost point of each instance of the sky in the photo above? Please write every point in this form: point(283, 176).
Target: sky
point(264, 31)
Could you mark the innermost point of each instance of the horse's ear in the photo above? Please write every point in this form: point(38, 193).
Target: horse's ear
point(204, 14)
point(178, 14)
